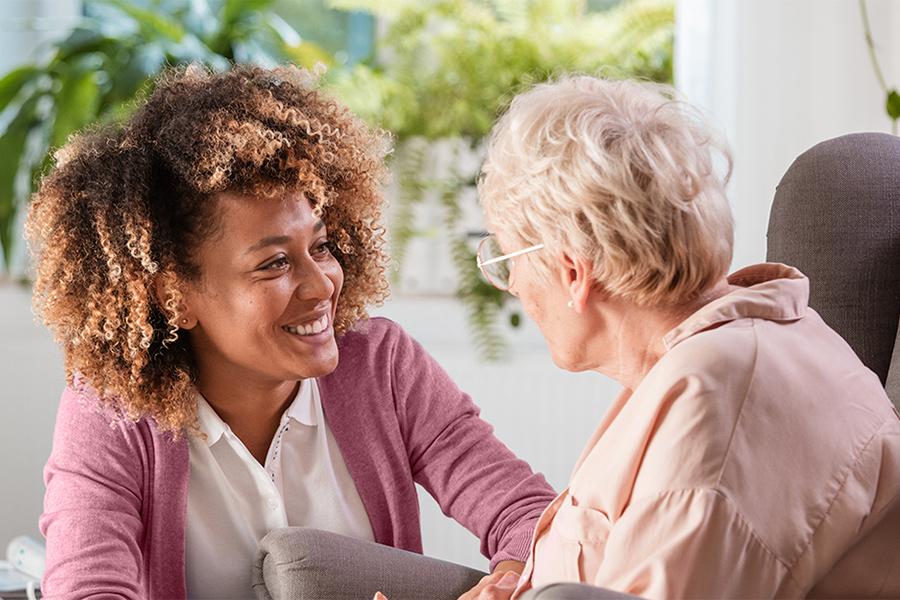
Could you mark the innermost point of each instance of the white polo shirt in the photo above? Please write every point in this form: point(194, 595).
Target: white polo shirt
point(233, 501)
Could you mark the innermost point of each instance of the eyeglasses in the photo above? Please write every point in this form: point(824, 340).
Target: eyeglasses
point(494, 265)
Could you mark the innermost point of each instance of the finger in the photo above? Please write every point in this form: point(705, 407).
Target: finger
point(379, 596)
point(494, 592)
point(475, 592)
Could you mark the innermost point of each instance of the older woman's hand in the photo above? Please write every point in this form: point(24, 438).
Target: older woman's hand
point(499, 585)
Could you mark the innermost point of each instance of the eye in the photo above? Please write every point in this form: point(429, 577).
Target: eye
point(278, 264)
point(323, 248)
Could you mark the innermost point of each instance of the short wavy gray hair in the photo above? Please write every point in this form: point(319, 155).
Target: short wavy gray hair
point(619, 172)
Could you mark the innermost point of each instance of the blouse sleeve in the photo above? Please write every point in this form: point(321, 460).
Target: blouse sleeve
point(455, 456)
point(688, 544)
point(92, 507)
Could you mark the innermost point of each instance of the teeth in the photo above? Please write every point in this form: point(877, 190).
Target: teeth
point(317, 326)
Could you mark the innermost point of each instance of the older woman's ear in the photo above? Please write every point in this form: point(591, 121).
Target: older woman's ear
point(577, 277)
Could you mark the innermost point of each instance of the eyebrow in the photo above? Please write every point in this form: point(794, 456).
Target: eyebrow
point(274, 240)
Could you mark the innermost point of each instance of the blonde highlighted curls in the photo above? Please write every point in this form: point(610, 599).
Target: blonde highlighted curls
point(113, 226)
point(620, 173)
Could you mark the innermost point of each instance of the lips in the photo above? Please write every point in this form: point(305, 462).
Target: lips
point(308, 328)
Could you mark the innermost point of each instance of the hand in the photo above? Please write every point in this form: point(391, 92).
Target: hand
point(499, 585)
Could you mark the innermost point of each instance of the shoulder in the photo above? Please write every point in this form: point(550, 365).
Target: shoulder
point(716, 357)
point(370, 334)
point(376, 342)
point(690, 403)
point(87, 430)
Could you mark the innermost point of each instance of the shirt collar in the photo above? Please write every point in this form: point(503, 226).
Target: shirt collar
point(769, 291)
point(302, 409)
point(210, 423)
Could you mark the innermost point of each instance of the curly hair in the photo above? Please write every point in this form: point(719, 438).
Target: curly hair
point(117, 218)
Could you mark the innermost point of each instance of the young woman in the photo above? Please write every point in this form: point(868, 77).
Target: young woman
point(206, 268)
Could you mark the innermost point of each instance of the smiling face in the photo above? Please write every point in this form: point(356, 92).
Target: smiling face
point(263, 308)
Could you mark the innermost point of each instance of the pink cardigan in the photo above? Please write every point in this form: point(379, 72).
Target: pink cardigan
point(114, 509)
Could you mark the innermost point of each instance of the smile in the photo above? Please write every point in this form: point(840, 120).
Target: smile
point(311, 328)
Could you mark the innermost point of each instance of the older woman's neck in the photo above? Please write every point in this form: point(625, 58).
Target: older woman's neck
point(628, 350)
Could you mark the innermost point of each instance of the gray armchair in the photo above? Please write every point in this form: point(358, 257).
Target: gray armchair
point(836, 217)
point(297, 563)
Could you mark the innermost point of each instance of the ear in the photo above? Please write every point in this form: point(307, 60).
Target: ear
point(163, 287)
point(576, 276)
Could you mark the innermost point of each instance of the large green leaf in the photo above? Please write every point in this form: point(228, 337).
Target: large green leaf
point(152, 24)
point(234, 11)
point(12, 151)
point(12, 83)
point(81, 41)
point(235, 19)
point(76, 104)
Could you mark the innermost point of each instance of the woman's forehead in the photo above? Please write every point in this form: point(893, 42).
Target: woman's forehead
point(248, 217)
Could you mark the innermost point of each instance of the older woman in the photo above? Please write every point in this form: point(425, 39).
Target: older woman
point(206, 268)
point(750, 453)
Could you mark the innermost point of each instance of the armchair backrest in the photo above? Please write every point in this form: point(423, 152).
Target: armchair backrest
point(836, 217)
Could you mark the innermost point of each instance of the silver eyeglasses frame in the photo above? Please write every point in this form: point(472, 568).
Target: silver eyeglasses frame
point(482, 264)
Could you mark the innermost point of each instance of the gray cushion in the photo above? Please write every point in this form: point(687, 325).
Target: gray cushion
point(836, 217)
point(296, 563)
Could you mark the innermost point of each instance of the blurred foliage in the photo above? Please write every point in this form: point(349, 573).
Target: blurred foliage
point(442, 69)
point(448, 68)
point(109, 59)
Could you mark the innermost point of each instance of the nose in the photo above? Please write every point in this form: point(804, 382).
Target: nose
point(314, 281)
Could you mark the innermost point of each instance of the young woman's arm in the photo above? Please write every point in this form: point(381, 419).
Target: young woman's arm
point(454, 455)
point(92, 506)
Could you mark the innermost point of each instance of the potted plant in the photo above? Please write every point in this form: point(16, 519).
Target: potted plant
point(443, 71)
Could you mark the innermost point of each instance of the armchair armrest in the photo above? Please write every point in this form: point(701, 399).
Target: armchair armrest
point(295, 563)
point(574, 591)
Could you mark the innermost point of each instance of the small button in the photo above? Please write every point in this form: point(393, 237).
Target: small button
point(273, 503)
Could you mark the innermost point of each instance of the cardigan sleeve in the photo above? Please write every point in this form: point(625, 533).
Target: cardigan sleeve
point(92, 507)
point(455, 456)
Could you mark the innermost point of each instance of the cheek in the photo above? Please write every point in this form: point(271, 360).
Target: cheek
point(337, 279)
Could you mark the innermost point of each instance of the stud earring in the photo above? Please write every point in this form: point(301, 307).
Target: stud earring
point(570, 303)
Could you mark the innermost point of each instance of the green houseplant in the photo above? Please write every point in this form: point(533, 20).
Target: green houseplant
point(892, 97)
point(96, 72)
point(445, 69)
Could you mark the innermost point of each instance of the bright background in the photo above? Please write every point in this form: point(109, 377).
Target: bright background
point(776, 77)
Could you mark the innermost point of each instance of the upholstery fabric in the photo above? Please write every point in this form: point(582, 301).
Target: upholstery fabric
point(297, 563)
point(836, 217)
point(574, 591)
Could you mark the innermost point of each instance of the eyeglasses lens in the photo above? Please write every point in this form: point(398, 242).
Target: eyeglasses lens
point(498, 272)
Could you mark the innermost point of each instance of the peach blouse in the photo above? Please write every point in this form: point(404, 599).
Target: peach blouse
point(758, 458)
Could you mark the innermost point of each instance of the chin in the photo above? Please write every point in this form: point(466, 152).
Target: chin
point(566, 362)
point(319, 366)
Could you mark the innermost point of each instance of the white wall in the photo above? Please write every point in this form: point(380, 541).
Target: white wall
point(780, 76)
